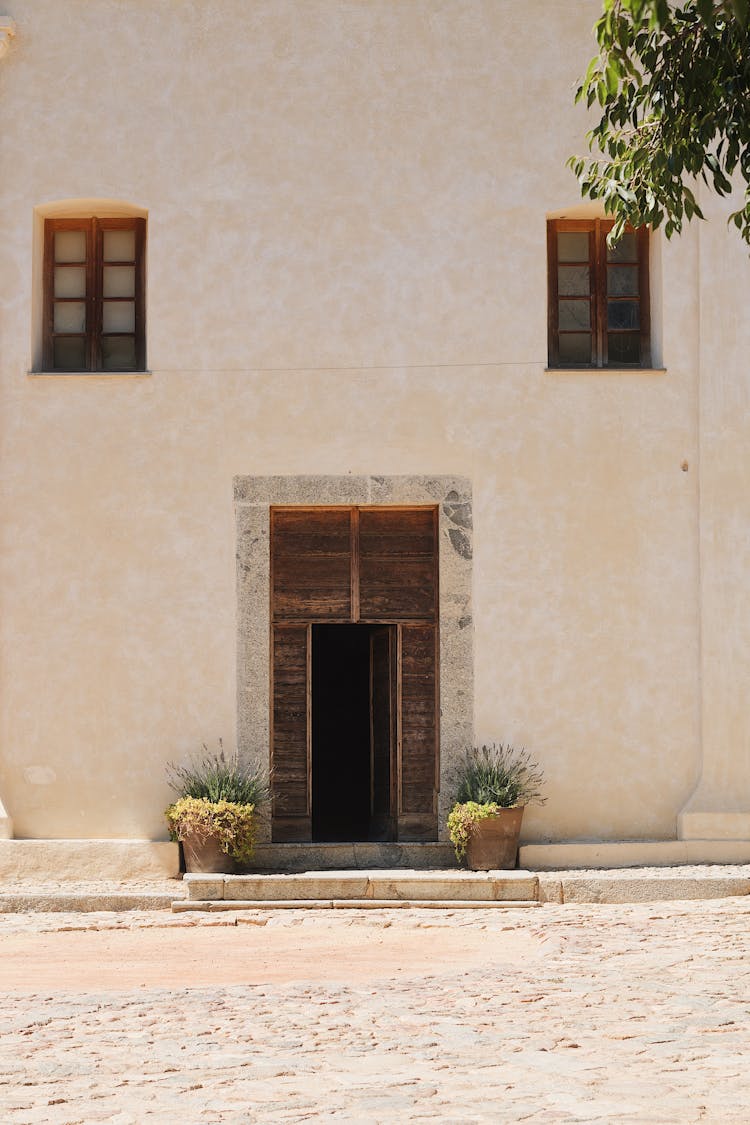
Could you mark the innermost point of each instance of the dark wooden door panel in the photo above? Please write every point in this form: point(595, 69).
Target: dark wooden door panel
point(311, 564)
point(396, 590)
point(417, 814)
point(290, 764)
point(398, 564)
point(382, 731)
point(398, 531)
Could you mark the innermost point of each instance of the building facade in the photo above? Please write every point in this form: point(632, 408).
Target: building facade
point(303, 328)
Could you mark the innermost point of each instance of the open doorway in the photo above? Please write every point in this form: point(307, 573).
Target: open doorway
point(353, 727)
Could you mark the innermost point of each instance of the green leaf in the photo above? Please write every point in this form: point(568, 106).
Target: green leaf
point(740, 9)
point(672, 80)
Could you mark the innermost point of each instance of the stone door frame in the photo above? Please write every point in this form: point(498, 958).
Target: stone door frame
point(254, 497)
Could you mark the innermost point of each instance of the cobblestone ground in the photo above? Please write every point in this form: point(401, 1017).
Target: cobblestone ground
point(628, 1013)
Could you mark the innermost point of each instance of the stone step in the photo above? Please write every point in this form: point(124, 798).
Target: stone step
point(374, 885)
point(359, 856)
point(354, 904)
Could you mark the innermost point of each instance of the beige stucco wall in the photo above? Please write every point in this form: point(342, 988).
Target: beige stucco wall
point(720, 805)
point(346, 274)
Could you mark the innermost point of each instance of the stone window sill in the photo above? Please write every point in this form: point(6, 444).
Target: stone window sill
point(89, 374)
point(605, 370)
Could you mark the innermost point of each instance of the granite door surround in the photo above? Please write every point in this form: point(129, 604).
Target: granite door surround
point(254, 496)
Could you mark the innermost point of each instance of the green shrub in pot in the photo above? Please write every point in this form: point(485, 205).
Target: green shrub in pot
point(490, 779)
point(216, 812)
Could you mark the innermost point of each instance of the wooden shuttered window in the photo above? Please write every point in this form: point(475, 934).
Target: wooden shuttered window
point(598, 299)
point(372, 566)
point(94, 316)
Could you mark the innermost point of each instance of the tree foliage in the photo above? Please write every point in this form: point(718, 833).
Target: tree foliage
point(673, 83)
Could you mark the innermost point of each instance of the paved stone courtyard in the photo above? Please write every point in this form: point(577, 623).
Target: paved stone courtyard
point(617, 1013)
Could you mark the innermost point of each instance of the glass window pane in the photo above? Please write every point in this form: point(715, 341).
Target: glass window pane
point(573, 281)
point(118, 353)
point(69, 353)
point(70, 316)
point(623, 314)
point(70, 281)
point(623, 347)
point(576, 348)
point(118, 316)
point(622, 281)
point(575, 315)
point(119, 281)
point(626, 249)
point(573, 246)
point(70, 246)
point(119, 245)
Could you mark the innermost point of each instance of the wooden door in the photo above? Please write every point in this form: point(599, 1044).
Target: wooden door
point(418, 730)
point(369, 565)
point(291, 804)
point(383, 713)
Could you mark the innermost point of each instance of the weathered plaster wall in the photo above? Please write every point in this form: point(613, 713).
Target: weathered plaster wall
point(346, 274)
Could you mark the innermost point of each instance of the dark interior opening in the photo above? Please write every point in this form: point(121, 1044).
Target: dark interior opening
point(341, 732)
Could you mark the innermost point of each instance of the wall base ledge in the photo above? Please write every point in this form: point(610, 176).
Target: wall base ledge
point(633, 853)
point(39, 861)
point(713, 825)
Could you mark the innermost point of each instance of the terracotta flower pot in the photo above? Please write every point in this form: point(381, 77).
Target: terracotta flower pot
point(493, 843)
point(206, 857)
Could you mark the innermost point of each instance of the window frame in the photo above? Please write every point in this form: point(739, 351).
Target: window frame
point(94, 229)
point(597, 230)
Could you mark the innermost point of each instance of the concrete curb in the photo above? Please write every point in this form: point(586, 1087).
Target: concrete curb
point(623, 888)
point(73, 903)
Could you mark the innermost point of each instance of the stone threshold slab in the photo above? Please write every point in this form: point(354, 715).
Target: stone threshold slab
point(296, 857)
point(390, 885)
point(216, 905)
